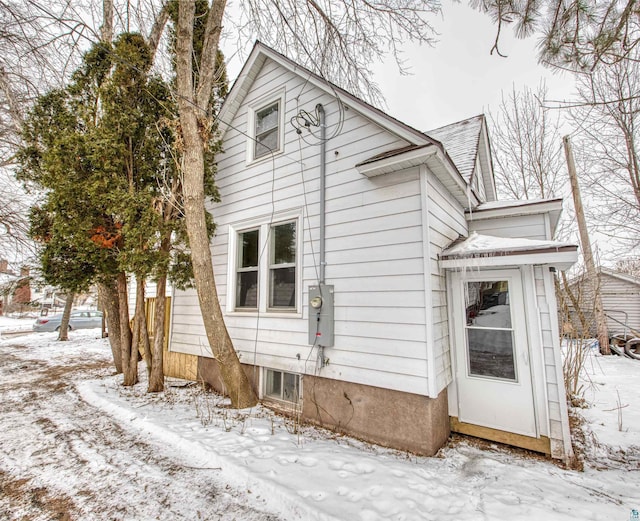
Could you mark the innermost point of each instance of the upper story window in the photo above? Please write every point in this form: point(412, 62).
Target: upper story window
point(265, 120)
point(267, 130)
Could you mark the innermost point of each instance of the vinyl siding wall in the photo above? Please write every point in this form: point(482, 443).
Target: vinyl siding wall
point(374, 248)
point(446, 224)
point(522, 226)
point(620, 300)
point(555, 394)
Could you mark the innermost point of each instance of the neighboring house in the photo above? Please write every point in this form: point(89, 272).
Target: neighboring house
point(620, 293)
point(369, 278)
point(16, 293)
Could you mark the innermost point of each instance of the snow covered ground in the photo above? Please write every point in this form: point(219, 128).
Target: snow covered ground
point(78, 444)
point(15, 324)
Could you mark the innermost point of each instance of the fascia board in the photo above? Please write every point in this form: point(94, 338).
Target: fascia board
point(562, 260)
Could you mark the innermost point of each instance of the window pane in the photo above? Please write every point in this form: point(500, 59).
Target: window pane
point(290, 387)
point(491, 353)
point(282, 291)
point(248, 249)
point(247, 289)
point(283, 249)
point(274, 384)
point(488, 304)
point(266, 142)
point(267, 118)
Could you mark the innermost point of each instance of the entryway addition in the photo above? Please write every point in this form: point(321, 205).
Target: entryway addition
point(494, 384)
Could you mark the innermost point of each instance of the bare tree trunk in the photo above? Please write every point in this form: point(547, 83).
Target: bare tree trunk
point(125, 331)
point(594, 276)
point(575, 302)
point(12, 103)
point(63, 332)
point(156, 376)
point(192, 114)
point(108, 295)
point(106, 31)
point(158, 27)
point(140, 340)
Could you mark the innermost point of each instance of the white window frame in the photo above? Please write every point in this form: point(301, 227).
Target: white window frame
point(239, 269)
point(264, 225)
point(254, 108)
point(280, 399)
point(272, 266)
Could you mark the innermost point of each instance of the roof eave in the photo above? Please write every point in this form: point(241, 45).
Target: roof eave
point(561, 258)
point(536, 207)
point(408, 159)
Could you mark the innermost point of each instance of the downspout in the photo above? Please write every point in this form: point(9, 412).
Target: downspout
point(323, 172)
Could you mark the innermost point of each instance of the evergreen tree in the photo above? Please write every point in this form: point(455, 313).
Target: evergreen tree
point(103, 152)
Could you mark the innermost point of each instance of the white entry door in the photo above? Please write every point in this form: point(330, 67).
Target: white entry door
point(492, 354)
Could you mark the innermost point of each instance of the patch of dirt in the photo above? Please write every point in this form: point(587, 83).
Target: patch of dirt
point(578, 439)
point(457, 439)
point(19, 496)
point(61, 459)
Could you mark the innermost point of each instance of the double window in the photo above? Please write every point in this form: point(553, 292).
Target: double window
point(266, 264)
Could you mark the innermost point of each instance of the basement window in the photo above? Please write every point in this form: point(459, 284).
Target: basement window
point(282, 386)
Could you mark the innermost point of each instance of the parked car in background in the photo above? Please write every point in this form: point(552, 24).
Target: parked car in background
point(78, 320)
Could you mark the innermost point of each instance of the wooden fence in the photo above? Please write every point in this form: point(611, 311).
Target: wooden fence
point(177, 365)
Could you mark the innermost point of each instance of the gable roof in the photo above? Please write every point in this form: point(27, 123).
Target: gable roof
point(257, 58)
point(437, 157)
point(461, 140)
point(626, 277)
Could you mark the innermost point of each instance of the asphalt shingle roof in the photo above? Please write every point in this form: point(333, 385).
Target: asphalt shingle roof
point(460, 140)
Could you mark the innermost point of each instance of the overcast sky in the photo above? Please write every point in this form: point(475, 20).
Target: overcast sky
point(458, 78)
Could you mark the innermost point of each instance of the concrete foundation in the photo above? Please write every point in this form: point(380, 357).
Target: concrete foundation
point(394, 419)
point(385, 417)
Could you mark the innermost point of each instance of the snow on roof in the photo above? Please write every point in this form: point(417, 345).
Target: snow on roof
point(461, 140)
point(477, 244)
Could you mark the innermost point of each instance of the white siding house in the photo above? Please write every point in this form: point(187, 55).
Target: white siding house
point(336, 266)
point(620, 294)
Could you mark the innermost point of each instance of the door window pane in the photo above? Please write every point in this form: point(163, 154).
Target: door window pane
point(491, 353)
point(490, 336)
point(488, 304)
